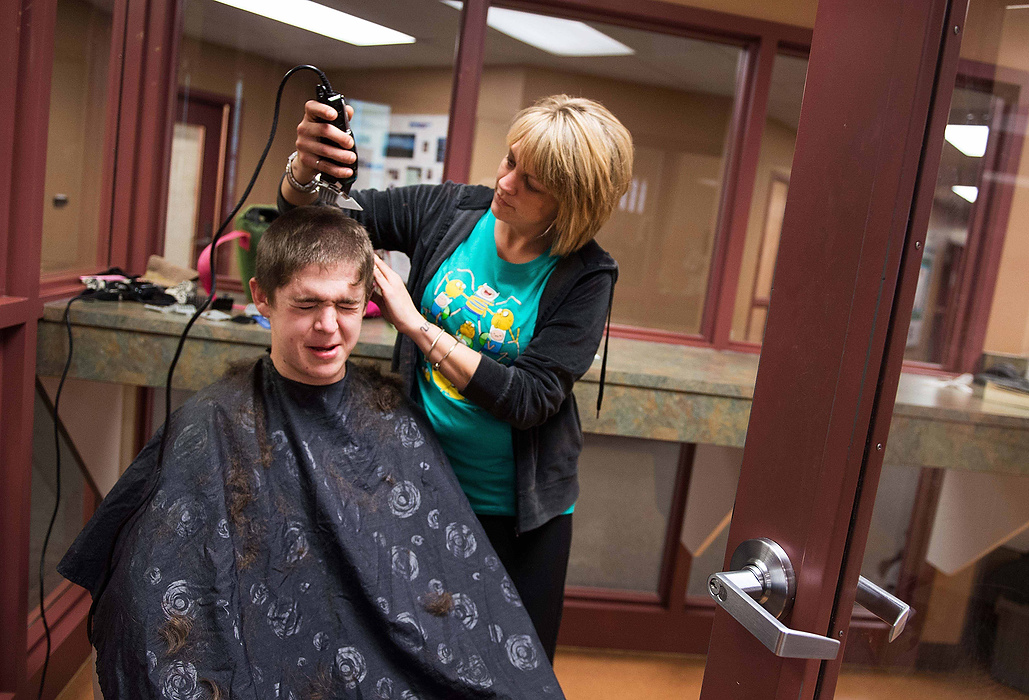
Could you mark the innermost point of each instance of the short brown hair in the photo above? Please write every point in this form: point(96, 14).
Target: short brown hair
point(312, 235)
point(582, 155)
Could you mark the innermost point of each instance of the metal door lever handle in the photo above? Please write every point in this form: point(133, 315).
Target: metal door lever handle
point(725, 588)
point(884, 605)
point(758, 590)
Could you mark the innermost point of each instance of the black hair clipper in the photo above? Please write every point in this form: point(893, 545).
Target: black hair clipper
point(339, 189)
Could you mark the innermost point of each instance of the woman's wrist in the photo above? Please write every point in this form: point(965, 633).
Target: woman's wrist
point(300, 172)
point(416, 326)
point(422, 333)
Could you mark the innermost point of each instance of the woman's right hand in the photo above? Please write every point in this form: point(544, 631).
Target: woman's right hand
point(312, 154)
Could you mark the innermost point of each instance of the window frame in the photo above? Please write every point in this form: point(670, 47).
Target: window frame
point(131, 202)
point(141, 87)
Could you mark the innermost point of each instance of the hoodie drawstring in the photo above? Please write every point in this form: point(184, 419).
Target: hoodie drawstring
point(607, 340)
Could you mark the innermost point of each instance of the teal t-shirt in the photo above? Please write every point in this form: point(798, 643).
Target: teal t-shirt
point(490, 305)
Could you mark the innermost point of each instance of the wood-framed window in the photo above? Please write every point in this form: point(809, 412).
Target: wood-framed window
point(127, 131)
point(713, 101)
point(81, 83)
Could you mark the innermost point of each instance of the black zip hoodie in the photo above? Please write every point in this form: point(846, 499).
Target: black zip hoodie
point(534, 394)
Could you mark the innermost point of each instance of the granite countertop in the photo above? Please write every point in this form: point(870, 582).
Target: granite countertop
point(633, 364)
point(655, 391)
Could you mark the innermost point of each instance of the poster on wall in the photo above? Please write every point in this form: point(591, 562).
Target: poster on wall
point(415, 148)
point(371, 125)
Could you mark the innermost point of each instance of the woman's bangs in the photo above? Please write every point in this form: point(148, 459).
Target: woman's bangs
point(538, 150)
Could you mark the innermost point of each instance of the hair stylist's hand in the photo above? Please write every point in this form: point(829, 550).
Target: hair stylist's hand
point(394, 300)
point(312, 153)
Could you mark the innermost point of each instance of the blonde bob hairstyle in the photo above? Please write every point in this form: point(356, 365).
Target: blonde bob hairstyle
point(582, 155)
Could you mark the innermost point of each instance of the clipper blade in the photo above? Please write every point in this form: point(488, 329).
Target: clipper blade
point(331, 195)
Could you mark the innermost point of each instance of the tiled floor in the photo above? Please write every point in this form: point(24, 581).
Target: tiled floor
point(593, 675)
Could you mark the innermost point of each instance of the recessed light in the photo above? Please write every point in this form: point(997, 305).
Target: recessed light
point(323, 20)
point(966, 192)
point(970, 139)
point(560, 37)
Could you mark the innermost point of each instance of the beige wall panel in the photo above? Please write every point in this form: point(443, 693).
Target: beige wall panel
point(983, 27)
point(1008, 328)
point(406, 91)
point(501, 96)
point(657, 117)
point(217, 69)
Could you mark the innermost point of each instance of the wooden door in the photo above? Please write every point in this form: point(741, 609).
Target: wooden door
point(848, 262)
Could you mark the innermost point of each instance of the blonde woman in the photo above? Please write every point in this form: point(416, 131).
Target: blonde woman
point(504, 309)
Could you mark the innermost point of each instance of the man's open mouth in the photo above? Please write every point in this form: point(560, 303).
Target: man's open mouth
point(323, 350)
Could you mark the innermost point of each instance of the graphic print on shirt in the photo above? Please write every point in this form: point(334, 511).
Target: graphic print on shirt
point(441, 304)
point(489, 305)
point(486, 321)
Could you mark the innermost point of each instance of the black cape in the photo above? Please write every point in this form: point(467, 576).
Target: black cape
point(300, 542)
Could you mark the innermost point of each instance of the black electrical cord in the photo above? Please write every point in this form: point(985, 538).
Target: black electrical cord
point(57, 493)
point(168, 384)
point(214, 247)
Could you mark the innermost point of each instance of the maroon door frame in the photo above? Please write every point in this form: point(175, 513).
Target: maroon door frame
point(136, 151)
point(863, 171)
point(464, 95)
point(26, 35)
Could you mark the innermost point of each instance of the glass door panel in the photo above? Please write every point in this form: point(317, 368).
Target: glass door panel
point(75, 138)
point(967, 555)
point(676, 96)
point(947, 533)
point(72, 513)
point(771, 185)
point(952, 537)
point(621, 518)
point(230, 65)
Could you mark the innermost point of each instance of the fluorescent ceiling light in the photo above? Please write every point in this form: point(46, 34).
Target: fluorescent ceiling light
point(1017, 7)
point(560, 37)
point(970, 139)
point(966, 192)
point(323, 20)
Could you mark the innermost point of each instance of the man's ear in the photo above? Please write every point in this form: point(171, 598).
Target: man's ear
point(261, 300)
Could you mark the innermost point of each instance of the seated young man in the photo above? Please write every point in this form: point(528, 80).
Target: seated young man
point(305, 536)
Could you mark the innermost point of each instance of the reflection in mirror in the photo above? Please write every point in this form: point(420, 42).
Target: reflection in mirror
point(964, 227)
